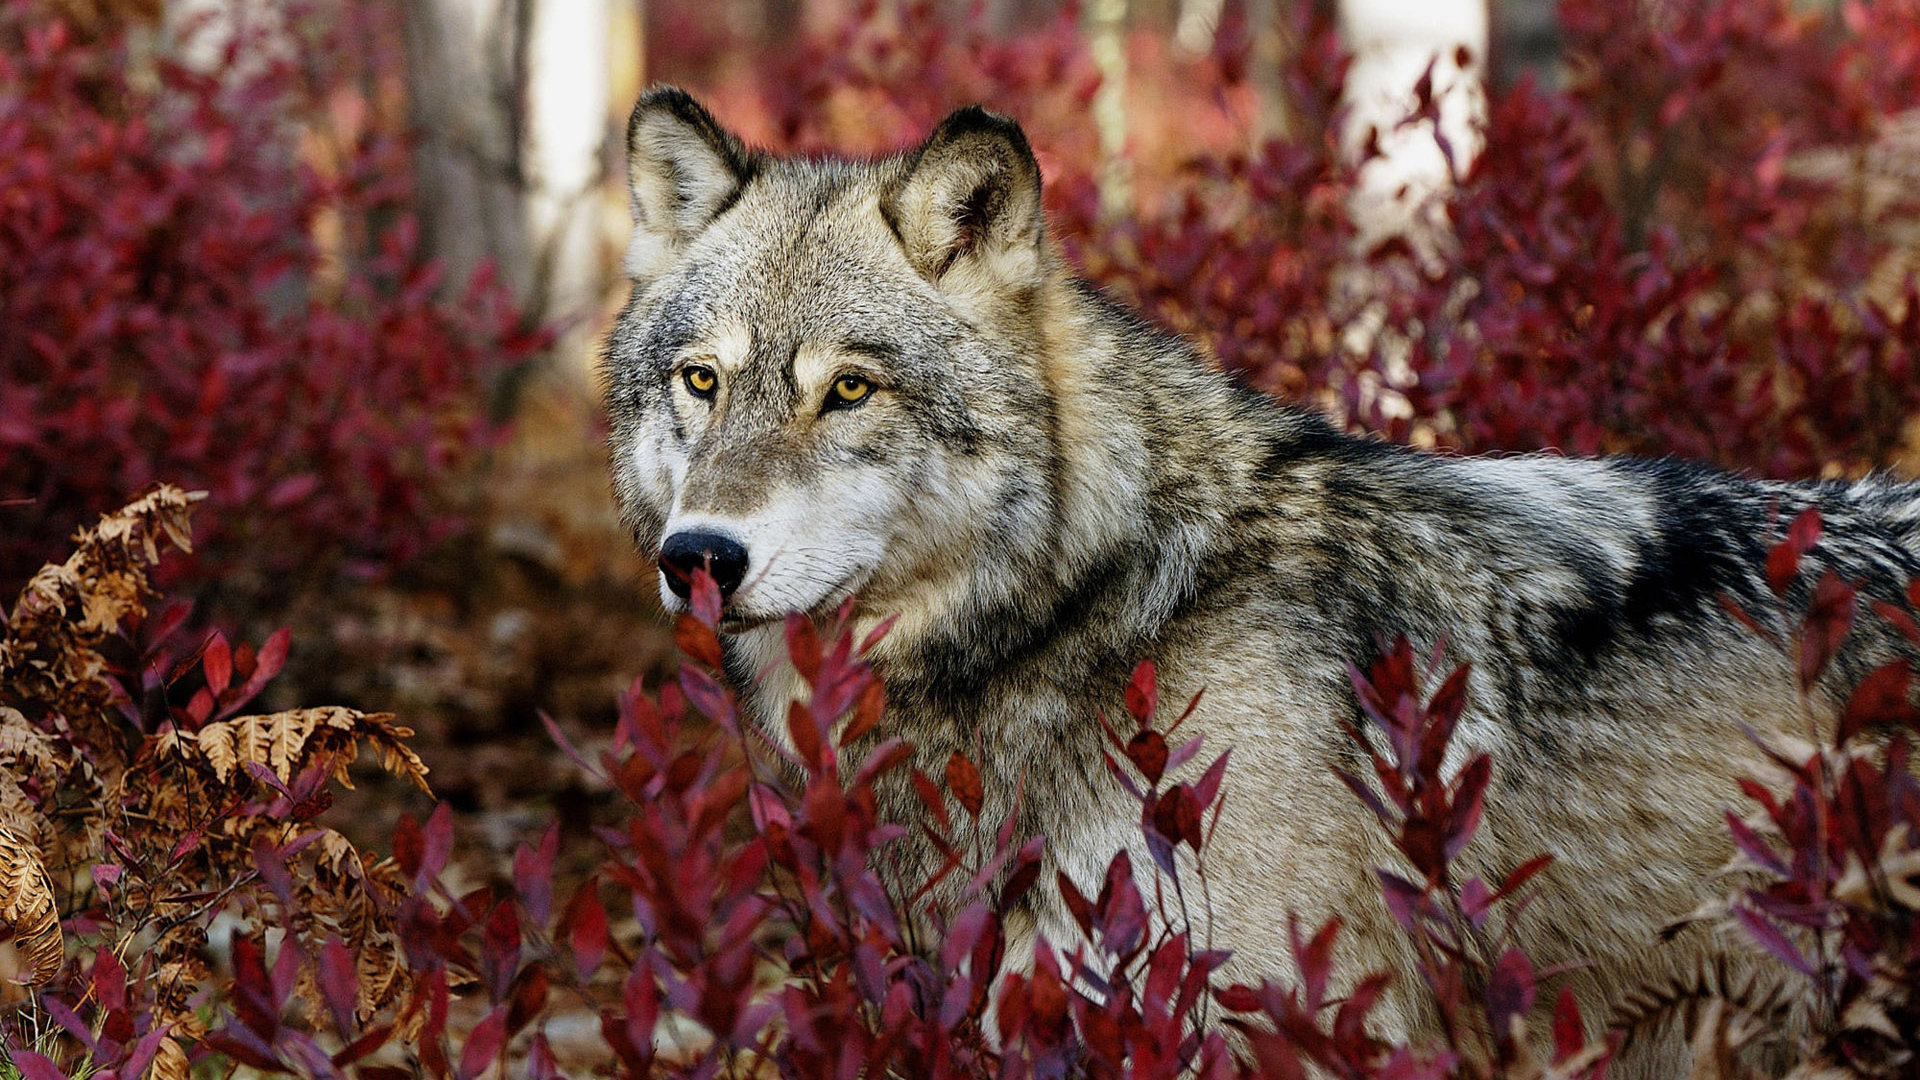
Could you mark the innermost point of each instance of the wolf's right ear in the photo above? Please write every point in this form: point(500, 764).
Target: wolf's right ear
point(967, 205)
point(683, 168)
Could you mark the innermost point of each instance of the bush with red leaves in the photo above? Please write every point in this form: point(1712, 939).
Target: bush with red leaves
point(208, 275)
point(1674, 256)
point(1837, 852)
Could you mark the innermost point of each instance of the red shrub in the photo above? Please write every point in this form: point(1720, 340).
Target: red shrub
point(1652, 263)
point(212, 279)
point(1837, 852)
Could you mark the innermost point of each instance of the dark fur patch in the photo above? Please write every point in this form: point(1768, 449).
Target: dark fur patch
point(1706, 543)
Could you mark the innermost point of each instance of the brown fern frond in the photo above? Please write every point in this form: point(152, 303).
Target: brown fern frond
point(287, 742)
point(1764, 998)
point(50, 660)
point(27, 912)
point(169, 1062)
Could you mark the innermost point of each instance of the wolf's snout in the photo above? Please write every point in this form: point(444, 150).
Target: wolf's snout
point(719, 555)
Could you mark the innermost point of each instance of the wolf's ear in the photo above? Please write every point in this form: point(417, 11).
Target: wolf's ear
point(968, 202)
point(683, 168)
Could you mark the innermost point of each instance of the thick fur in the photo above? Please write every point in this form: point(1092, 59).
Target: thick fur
point(1045, 490)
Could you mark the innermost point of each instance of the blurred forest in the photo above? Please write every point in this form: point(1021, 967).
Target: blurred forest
point(343, 264)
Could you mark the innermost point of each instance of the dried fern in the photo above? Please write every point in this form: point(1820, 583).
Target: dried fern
point(287, 742)
point(27, 911)
point(156, 832)
point(50, 661)
point(1710, 992)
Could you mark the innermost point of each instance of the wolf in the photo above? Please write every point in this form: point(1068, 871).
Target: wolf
point(879, 381)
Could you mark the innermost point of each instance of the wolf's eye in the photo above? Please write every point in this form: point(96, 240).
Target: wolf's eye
point(700, 381)
point(848, 391)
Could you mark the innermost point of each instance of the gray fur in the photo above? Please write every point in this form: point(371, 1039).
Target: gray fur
point(1046, 490)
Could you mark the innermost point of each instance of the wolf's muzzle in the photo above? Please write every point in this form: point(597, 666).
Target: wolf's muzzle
point(717, 554)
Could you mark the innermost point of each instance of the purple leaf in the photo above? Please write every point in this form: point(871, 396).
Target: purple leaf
point(1773, 940)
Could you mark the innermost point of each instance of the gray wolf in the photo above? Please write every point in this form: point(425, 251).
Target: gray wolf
point(879, 381)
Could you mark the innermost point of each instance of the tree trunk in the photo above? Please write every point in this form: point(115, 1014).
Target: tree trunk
point(466, 64)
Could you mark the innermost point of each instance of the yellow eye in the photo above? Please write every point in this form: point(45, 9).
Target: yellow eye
point(848, 390)
point(700, 381)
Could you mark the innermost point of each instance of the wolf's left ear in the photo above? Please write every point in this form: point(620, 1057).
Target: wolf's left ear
point(968, 201)
point(683, 168)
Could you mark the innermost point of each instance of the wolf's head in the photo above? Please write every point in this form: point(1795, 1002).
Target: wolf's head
point(827, 382)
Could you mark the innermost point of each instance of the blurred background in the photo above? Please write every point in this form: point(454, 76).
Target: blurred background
point(343, 264)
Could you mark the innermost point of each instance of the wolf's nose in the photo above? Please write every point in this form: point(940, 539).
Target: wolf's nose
point(719, 555)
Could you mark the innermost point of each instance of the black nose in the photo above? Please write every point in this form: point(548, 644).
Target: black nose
point(685, 552)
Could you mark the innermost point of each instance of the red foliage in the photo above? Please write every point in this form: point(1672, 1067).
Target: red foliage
point(1837, 852)
point(1652, 263)
point(209, 276)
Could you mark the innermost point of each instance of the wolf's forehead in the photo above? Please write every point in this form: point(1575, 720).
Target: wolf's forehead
point(798, 260)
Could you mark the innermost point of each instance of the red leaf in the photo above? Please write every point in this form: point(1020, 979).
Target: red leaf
point(1805, 531)
point(1122, 912)
point(1208, 786)
point(1783, 559)
point(1237, 998)
point(1520, 876)
point(500, 950)
point(528, 998)
point(803, 648)
point(1026, 871)
point(805, 734)
point(1828, 620)
point(1475, 899)
point(875, 635)
point(439, 841)
point(1451, 699)
point(1783, 565)
point(1901, 621)
point(372, 1040)
point(1424, 843)
point(34, 1066)
point(144, 1051)
point(930, 796)
point(1569, 1030)
point(1406, 902)
point(698, 640)
point(586, 923)
point(1510, 989)
point(266, 664)
point(705, 601)
point(963, 780)
point(1176, 816)
point(1076, 902)
point(1881, 700)
point(1148, 752)
point(867, 710)
point(1745, 619)
point(533, 874)
point(705, 694)
point(1773, 940)
point(1469, 800)
point(408, 845)
point(217, 661)
point(483, 1045)
point(1314, 958)
point(1143, 693)
point(339, 984)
